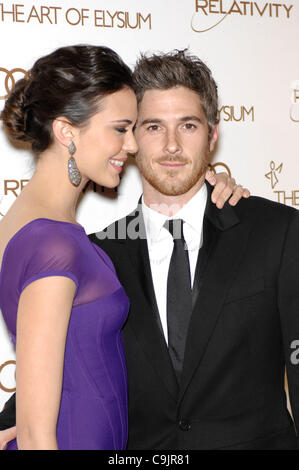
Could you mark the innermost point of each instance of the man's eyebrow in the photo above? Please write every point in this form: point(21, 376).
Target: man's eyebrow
point(181, 119)
point(127, 121)
point(151, 121)
point(190, 118)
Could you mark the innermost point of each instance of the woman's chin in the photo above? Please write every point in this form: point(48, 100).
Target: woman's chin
point(109, 183)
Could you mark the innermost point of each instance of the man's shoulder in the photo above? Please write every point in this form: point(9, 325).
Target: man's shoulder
point(257, 207)
point(269, 219)
point(128, 227)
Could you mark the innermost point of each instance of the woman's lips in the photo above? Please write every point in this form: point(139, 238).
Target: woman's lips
point(117, 164)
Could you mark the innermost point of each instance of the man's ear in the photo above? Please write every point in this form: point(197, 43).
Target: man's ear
point(63, 131)
point(214, 137)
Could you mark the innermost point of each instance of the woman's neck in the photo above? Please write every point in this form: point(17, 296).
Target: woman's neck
point(50, 187)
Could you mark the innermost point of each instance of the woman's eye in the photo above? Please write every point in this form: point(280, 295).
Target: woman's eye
point(122, 130)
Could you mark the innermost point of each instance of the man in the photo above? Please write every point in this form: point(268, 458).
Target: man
point(208, 334)
point(214, 377)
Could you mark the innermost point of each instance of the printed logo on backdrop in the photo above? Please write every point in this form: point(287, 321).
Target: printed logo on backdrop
point(272, 175)
point(294, 107)
point(7, 374)
point(11, 188)
point(221, 167)
point(236, 113)
point(17, 13)
point(211, 13)
point(8, 79)
point(288, 197)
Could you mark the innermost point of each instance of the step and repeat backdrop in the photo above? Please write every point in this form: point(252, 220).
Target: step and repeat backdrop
point(251, 48)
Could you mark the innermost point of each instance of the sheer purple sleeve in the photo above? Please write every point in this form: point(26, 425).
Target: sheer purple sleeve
point(53, 254)
point(40, 249)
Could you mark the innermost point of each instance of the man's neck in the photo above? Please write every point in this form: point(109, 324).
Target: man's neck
point(168, 205)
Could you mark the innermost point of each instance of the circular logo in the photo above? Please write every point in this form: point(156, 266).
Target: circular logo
point(8, 79)
point(5, 376)
point(214, 165)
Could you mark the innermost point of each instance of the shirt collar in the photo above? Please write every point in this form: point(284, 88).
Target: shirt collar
point(192, 213)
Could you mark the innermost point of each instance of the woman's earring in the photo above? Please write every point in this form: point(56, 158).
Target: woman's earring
point(74, 174)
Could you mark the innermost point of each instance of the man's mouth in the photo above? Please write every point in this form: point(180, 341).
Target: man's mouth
point(172, 163)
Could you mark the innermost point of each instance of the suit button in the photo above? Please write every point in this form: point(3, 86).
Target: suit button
point(184, 425)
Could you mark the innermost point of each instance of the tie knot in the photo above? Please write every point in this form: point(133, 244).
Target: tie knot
point(175, 228)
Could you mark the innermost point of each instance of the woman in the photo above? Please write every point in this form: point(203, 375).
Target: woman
point(59, 293)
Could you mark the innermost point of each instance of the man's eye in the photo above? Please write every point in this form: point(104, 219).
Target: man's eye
point(122, 130)
point(153, 127)
point(189, 125)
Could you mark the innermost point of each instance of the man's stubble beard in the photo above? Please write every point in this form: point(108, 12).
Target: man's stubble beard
point(165, 186)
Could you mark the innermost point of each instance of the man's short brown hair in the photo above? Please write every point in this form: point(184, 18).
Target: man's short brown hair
point(178, 68)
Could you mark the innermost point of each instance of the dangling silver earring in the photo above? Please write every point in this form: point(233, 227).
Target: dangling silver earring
point(74, 174)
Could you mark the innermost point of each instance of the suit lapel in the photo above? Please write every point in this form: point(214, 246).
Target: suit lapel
point(210, 236)
point(145, 321)
point(224, 240)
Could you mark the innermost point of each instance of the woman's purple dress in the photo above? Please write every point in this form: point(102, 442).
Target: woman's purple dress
point(93, 408)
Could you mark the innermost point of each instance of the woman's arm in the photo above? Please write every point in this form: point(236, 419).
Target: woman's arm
point(6, 436)
point(42, 323)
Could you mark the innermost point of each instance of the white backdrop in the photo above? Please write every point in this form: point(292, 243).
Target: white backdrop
point(251, 48)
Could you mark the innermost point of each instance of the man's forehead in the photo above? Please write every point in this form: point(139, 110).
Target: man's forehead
point(177, 101)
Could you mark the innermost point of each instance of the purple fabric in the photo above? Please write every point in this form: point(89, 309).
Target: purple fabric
point(93, 409)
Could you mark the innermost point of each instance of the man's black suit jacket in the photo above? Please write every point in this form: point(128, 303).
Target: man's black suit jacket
point(245, 319)
point(243, 329)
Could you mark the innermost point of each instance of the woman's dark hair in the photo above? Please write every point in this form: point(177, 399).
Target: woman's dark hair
point(178, 68)
point(69, 82)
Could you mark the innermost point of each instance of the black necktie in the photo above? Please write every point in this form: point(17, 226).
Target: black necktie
point(179, 295)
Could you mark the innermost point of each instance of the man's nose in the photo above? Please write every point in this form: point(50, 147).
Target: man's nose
point(172, 143)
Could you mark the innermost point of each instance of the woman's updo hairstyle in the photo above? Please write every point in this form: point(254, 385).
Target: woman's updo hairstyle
point(69, 82)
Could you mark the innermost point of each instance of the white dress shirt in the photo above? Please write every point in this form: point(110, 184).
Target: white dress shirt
point(160, 244)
